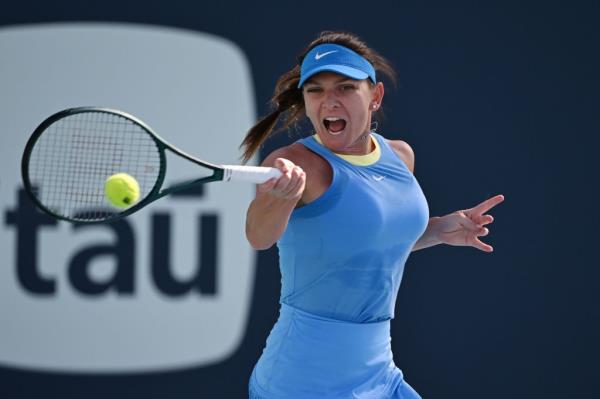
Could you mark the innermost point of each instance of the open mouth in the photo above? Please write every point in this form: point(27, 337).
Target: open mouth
point(334, 125)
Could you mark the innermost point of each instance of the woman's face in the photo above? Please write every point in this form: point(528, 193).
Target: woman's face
point(340, 110)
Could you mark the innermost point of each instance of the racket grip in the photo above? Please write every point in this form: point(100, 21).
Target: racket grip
point(254, 174)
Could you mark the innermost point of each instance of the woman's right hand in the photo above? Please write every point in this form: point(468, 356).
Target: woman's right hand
point(290, 185)
point(276, 199)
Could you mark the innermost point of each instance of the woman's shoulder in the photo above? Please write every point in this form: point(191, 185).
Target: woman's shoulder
point(298, 154)
point(404, 151)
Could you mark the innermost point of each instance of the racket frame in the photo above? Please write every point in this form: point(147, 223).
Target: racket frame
point(154, 194)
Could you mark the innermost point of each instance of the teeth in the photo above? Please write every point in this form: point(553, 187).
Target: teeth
point(332, 119)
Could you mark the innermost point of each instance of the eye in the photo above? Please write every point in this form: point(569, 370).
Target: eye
point(313, 89)
point(347, 87)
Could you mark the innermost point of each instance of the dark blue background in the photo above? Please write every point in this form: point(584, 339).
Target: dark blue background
point(493, 100)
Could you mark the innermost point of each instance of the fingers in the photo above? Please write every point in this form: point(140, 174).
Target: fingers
point(476, 231)
point(266, 186)
point(477, 243)
point(481, 245)
point(482, 220)
point(283, 164)
point(469, 226)
point(474, 226)
point(297, 190)
point(486, 205)
point(486, 219)
point(289, 185)
point(480, 231)
point(476, 213)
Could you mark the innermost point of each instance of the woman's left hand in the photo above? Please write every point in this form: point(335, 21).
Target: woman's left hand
point(463, 228)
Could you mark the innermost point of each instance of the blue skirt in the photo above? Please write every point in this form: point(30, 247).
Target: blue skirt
point(309, 356)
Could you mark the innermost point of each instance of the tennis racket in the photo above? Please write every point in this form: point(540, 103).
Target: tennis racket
point(71, 154)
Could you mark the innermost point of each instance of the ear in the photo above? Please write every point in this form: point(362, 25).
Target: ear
point(377, 96)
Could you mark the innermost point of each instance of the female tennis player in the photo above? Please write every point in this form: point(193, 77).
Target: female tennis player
point(345, 215)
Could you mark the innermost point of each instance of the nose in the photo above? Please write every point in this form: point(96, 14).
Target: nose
point(330, 101)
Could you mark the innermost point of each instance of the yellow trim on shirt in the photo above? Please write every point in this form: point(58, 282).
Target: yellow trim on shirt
point(359, 160)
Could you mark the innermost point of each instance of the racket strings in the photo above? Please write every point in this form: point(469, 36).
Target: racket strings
point(72, 159)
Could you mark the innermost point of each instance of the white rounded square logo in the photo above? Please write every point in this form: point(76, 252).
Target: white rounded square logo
point(168, 287)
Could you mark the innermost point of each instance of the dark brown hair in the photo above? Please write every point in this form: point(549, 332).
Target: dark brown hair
point(287, 99)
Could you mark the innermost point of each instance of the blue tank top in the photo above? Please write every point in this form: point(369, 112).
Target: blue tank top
point(342, 256)
point(341, 259)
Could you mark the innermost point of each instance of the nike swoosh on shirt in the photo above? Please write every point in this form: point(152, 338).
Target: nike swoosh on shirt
point(378, 178)
point(319, 56)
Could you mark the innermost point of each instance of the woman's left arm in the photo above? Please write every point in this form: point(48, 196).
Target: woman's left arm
point(460, 228)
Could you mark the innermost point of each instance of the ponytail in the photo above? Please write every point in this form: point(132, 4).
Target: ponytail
point(258, 134)
point(287, 100)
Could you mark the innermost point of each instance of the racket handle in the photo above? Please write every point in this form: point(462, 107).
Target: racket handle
point(254, 174)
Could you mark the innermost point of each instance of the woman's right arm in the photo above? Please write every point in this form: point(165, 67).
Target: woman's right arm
point(269, 213)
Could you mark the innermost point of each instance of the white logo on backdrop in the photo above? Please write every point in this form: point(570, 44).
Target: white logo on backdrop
point(169, 287)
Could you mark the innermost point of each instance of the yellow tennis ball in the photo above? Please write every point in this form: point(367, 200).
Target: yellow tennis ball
point(122, 190)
